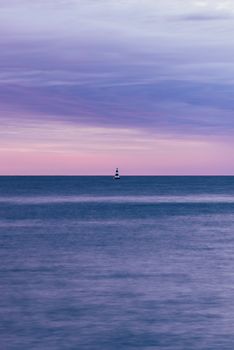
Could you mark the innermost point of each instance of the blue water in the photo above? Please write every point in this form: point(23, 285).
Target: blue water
point(89, 263)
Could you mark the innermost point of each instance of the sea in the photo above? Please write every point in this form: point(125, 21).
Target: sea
point(92, 263)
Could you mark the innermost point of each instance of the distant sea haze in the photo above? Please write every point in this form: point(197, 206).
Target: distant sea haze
point(92, 263)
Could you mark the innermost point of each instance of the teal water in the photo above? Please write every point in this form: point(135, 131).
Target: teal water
point(89, 263)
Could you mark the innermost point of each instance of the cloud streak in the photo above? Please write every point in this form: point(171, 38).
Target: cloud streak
point(206, 17)
point(157, 68)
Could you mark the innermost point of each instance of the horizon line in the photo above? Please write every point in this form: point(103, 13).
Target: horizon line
point(111, 175)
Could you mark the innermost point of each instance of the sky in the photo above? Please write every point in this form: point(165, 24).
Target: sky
point(89, 85)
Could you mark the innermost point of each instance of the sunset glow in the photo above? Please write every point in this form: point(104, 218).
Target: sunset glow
point(86, 86)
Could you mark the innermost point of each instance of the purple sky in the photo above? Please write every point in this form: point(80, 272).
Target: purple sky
point(87, 85)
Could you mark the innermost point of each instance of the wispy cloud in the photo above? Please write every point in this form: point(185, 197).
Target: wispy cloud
point(119, 64)
point(206, 17)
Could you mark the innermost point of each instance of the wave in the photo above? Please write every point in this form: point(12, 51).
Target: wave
point(128, 199)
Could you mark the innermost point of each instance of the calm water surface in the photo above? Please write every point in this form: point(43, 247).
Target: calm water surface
point(89, 263)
